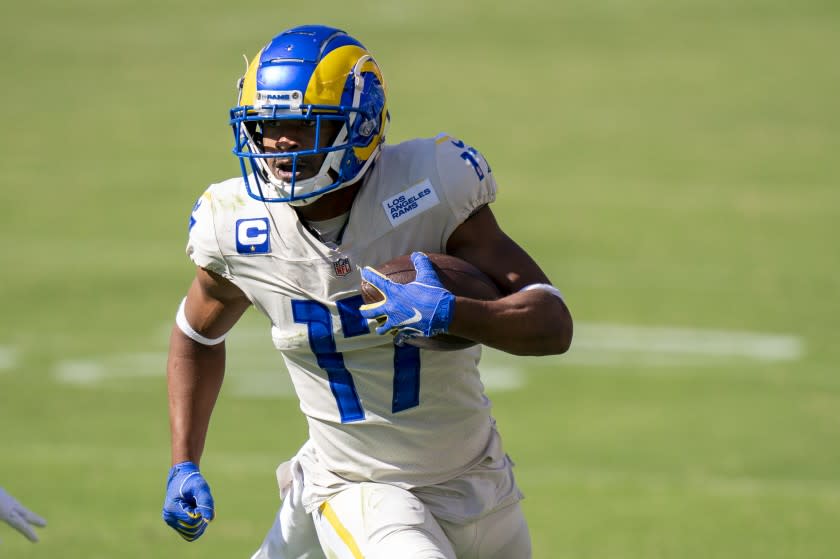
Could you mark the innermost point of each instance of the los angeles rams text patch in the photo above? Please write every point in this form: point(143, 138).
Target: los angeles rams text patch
point(411, 202)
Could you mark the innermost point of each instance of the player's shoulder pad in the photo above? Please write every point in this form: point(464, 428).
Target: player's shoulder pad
point(223, 201)
point(464, 175)
point(203, 210)
point(228, 194)
point(208, 215)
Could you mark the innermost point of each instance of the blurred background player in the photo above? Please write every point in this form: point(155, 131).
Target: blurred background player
point(403, 457)
point(19, 517)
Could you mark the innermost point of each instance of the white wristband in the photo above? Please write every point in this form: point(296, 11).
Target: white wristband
point(184, 326)
point(544, 287)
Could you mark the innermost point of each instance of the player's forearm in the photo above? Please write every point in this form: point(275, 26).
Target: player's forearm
point(194, 378)
point(528, 323)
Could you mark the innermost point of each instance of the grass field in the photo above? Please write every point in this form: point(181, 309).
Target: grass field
point(672, 164)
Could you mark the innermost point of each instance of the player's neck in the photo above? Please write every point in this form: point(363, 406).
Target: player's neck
point(330, 205)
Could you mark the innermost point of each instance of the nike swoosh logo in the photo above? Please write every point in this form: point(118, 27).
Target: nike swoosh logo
point(411, 320)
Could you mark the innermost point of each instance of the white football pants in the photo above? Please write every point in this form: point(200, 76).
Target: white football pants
point(292, 536)
point(380, 521)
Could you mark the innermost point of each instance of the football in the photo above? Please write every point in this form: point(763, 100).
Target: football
point(458, 276)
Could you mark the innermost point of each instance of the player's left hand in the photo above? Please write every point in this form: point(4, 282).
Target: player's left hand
point(189, 505)
point(420, 308)
point(18, 516)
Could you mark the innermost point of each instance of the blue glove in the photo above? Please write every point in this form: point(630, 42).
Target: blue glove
point(420, 308)
point(189, 505)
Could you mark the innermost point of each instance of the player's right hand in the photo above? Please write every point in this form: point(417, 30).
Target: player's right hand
point(188, 507)
point(421, 308)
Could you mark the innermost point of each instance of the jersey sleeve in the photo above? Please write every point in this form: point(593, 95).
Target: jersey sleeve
point(465, 178)
point(203, 245)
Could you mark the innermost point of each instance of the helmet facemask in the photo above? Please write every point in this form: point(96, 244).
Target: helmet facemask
point(290, 173)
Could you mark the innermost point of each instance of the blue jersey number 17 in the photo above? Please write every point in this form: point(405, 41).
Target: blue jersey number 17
point(318, 320)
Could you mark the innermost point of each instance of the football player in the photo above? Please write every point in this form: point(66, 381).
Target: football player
point(403, 457)
point(19, 517)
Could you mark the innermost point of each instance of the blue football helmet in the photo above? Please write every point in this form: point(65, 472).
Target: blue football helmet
point(314, 74)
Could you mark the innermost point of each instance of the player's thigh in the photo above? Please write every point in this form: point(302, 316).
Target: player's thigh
point(502, 534)
point(378, 521)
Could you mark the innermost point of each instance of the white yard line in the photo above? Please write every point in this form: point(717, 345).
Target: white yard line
point(9, 358)
point(256, 370)
point(499, 378)
point(618, 345)
point(615, 338)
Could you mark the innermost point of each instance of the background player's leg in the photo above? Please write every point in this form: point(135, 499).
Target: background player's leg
point(378, 521)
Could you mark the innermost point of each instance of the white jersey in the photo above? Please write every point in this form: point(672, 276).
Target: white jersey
point(376, 412)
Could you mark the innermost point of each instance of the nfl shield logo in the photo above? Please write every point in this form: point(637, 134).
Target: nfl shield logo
point(342, 267)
